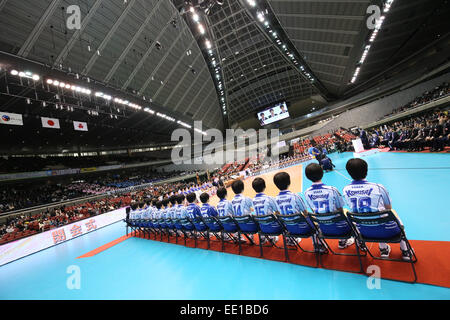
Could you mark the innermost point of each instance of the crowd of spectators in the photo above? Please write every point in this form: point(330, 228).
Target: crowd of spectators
point(22, 225)
point(42, 163)
point(16, 197)
point(429, 131)
point(438, 92)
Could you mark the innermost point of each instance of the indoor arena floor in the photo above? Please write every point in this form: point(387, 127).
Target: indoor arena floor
point(137, 268)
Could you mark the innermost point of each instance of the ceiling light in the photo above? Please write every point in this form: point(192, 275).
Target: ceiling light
point(201, 29)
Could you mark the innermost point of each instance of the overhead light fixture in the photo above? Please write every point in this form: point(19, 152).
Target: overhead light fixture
point(260, 16)
point(201, 29)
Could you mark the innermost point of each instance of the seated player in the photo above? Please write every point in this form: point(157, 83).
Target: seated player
point(241, 205)
point(224, 207)
point(166, 208)
point(157, 212)
point(180, 209)
point(262, 203)
point(132, 217)
point(207, 210)
point(192, 210)
point(363, 196)
point(288, 202)
point(322, 198)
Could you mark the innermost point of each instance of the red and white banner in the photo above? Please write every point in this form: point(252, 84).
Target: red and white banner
point(26, 246)
point(50, 123)
point(80, 126)
point(14, 119)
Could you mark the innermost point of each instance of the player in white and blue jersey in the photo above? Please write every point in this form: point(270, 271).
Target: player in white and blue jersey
point(192, 210)
point(173, 206)
point(132, 215)
point(140, 213)
point(263, 203)
point(224, 207)
point(180, 209)
point(288, 202)
point(241, 205)
point(363, 196)
point(206, 209)
point(324, 199)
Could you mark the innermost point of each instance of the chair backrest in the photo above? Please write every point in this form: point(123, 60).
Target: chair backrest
point(228, 223)
point(296, 224)
point(269, 224)
point(199, 224)
point(247, 223)
point(332, 224)
point(187, 223)
point(376, 225)
point(213, 224)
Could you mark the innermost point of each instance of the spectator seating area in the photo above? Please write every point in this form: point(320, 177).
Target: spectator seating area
point(438, 92)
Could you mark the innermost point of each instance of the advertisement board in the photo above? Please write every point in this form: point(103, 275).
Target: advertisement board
point(23, 247)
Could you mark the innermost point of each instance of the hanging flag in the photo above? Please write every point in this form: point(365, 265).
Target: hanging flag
point(80, 126)
point(14, 119)
point(50, 123)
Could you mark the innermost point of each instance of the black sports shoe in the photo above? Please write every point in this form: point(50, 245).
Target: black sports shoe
point(385, 252)
point(344, 243)
point(407, 255)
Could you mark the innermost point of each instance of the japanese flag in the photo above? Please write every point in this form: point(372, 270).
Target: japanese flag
point(50, 123)
point(80, 126)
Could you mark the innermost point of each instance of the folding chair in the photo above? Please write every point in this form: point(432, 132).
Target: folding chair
point(177, 223)
point(169, 226)
point(231, 226)
point(385, 227)
point(200, 228)
point(335, 225)
point(215, 227)
point(188, 226)
point(297, 226)
point(145, 224)
point(156, 226)
point(246, 226)
point(269, 226)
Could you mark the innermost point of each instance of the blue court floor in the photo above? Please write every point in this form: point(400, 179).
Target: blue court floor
point(143, 269)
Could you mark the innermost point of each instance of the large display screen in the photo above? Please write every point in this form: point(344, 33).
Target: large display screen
point(273, 114)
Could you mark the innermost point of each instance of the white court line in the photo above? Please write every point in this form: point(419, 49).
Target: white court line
point(343, 175)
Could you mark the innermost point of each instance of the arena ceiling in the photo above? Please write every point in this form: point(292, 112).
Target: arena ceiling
point(118, 45)
point(326, 37)
point(153, 49)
